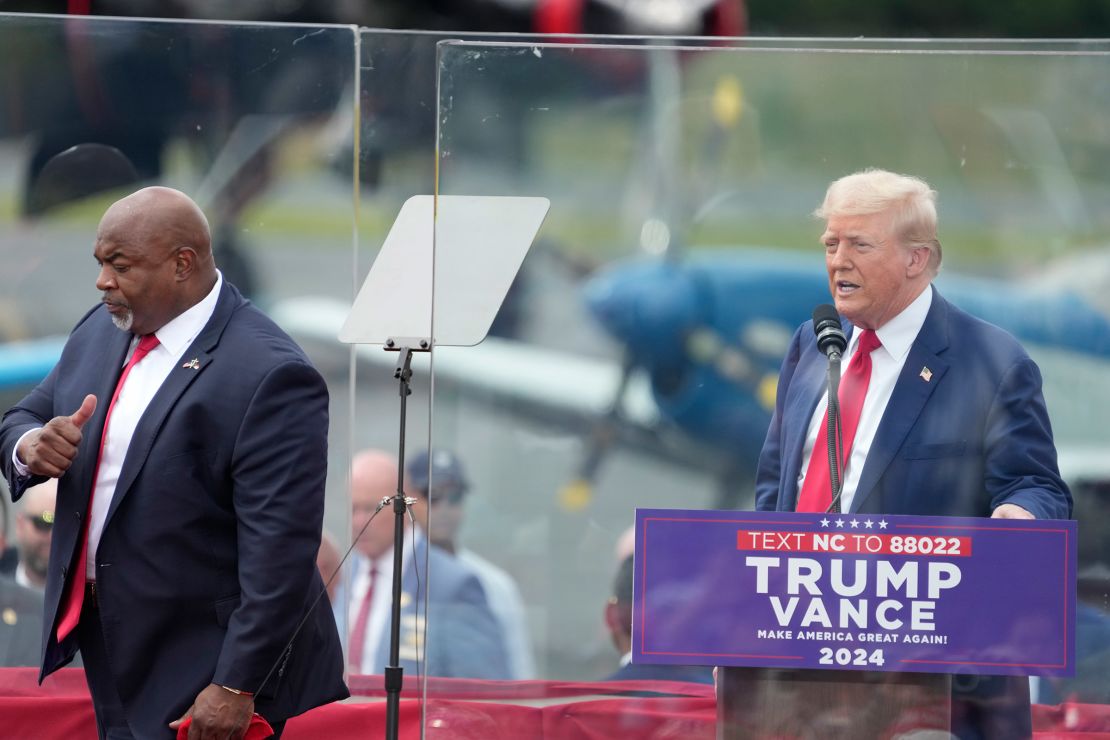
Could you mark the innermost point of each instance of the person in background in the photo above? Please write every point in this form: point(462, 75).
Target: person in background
point(20, 625)
point(439, 593)
point(327, 562)
point(34, 524)
point(439, 511)
point(618, 621)
point(9, 556)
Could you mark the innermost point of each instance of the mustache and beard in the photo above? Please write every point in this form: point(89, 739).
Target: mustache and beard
point(123, 322)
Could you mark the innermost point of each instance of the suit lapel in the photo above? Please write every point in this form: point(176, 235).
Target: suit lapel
point(813, 385)
point(175, 384)
point(908, 399)
point(811, 377)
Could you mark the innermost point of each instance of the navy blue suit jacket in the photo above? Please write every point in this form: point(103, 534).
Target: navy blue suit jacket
point(207, 559)
point(649, 672)
point(965, 430)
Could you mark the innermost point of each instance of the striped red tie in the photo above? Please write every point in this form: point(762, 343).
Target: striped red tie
point(816, 494)
point(73, 594)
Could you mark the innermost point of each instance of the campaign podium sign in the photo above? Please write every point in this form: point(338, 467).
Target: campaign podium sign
point(859, 592)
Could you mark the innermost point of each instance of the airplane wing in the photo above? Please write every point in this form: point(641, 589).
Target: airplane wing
point(526, 374)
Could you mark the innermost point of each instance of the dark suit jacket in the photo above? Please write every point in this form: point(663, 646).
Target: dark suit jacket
point(464, 636)
point(20, 624)
point(973, 436)
point(207, 559)
point(648, 672)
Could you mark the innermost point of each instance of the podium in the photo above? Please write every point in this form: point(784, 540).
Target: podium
point(858, 625)
point(781, 703)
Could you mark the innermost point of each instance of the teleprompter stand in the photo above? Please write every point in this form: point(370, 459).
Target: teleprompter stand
point(394, 674)
point(457, 255)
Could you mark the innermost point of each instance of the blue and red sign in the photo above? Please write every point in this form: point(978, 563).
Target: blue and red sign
point(855, 591)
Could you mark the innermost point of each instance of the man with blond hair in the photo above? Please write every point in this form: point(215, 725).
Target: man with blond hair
point(949, 418)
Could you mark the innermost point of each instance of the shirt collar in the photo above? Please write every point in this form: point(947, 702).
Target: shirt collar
point(179, 333)
point(898, 334)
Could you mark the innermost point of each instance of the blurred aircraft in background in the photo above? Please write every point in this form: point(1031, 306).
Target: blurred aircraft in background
point(702, 340)
point(701, 335)
point(710, 332)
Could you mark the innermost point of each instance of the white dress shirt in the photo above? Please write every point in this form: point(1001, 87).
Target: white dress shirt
point(377, 623)
point(24, 580)
point(897, 336)
point(142, 383)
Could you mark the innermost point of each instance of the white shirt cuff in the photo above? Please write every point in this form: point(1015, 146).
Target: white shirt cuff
point(21, 469)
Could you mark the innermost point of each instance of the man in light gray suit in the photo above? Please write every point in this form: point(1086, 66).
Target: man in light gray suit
point(464, 639)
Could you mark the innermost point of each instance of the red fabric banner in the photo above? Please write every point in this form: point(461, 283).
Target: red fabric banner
point(463, 709)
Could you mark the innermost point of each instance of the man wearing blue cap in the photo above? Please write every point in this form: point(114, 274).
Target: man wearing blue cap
point(439, 483)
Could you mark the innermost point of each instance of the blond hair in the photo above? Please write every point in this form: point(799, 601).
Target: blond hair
point(910, 201)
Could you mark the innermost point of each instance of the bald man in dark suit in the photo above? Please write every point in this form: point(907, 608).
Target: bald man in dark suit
point(187, 526)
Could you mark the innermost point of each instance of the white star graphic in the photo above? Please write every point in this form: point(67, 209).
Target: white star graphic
point(824, 522)
point(840, 522)
point(882, 524)
point(867, 524)
point(855, 524)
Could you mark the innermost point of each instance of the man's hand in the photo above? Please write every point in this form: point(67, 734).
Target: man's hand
point(1011, 511)
point(50, 450)
point(218, 714)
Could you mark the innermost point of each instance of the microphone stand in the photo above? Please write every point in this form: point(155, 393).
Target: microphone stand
point(832, 432)
point(394, 673)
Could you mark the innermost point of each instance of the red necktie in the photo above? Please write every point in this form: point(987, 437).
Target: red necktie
point(74, 594)
point(816, 494)
point(358, 633)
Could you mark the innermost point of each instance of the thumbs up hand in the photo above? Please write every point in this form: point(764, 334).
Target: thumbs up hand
point(50, 450)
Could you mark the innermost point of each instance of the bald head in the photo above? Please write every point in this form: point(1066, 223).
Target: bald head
point(154, 248)
point(373, 477)
point(375, 469)
point(160, 217)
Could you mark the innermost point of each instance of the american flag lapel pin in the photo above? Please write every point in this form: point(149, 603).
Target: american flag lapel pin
point(193, 363)
point(926, 374)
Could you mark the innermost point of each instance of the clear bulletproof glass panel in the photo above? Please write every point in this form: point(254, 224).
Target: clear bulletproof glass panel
point(240, 117)
point(648, 325)
point(250, 120)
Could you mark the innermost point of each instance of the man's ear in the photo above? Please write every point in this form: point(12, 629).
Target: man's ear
point(613, 616)
point(184, 262)
point(918, 261)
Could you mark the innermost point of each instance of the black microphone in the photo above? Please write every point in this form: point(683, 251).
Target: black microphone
point(830, 337)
